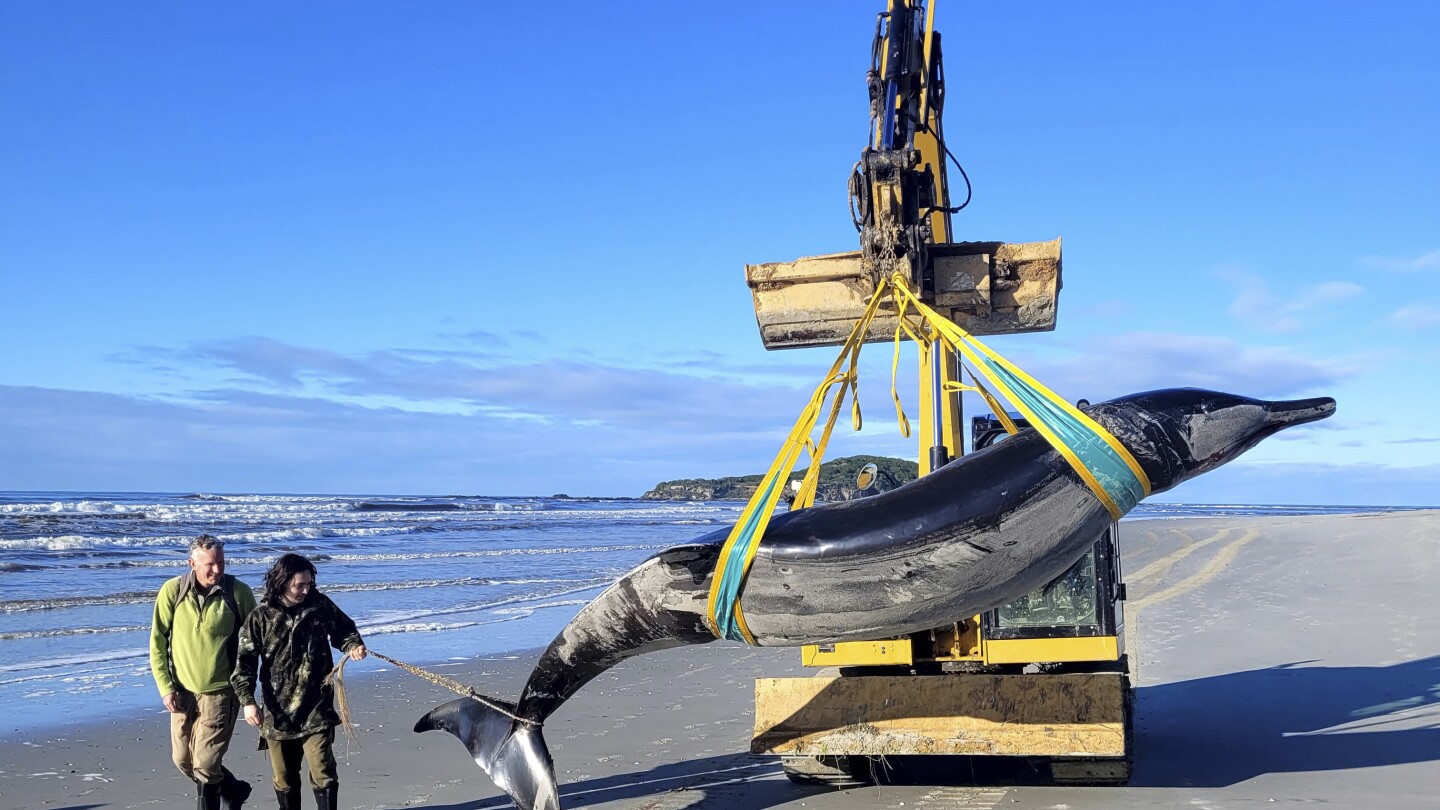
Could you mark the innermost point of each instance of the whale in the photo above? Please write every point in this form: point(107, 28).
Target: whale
point(969, 537)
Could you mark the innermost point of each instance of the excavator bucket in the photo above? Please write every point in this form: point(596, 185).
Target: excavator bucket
point(986, 288)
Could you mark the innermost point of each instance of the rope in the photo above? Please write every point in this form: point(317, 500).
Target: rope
point(337, 679)
point(449, 683)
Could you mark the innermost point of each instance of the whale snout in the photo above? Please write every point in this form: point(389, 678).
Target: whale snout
point(1297, 411)
point(1209, 428)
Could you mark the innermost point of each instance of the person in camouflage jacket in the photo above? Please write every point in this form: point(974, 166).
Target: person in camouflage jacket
point(289, 636)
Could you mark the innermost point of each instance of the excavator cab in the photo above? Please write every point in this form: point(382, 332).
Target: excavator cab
point(1084, 603)
point(1042, 677)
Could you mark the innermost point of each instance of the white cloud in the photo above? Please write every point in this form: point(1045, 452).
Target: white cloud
point(243, 441)
point(408, 420)
point(51, 439)
point(670, 396)
point(1256, 305)
point(1416, 316)
point(1141, 361)
point(1427, 261)
point(1329, 292)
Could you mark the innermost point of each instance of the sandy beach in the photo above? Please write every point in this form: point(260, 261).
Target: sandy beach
point(1277, 661)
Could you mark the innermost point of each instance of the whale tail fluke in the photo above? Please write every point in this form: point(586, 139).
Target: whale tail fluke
point(511, 752)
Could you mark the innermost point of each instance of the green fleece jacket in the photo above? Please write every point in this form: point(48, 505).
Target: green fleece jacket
point(189, 640)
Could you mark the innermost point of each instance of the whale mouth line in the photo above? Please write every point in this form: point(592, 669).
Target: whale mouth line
point(1298, 411)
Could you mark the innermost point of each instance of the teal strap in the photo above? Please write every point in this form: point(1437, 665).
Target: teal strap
point(1109, 469)
point(733, 577)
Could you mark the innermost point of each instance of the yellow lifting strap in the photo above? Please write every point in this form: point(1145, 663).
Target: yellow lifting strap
point(726, 619)
point(1102, 462)
point(1105, 465)
point(995, 407)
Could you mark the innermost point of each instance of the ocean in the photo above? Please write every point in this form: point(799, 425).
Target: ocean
point(427, 579)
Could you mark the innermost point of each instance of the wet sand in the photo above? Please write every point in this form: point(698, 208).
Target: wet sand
point(1277, 661)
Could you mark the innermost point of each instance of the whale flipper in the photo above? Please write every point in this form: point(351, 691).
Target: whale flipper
point(511, 752)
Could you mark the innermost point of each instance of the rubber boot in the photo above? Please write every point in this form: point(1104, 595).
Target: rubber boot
point(207, 796)
point(327, 797)
point(233, 791)
point(288, 799)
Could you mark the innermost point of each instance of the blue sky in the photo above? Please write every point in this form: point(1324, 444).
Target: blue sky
point(455, 248)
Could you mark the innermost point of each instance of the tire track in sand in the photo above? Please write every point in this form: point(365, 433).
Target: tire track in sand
point(1157, 569)
point(1162, 566)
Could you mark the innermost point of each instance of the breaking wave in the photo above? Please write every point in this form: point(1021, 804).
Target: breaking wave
point(146, 597)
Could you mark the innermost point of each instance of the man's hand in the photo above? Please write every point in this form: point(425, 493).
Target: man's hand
point(172, 703)
point(252, 714)
point(357, 652)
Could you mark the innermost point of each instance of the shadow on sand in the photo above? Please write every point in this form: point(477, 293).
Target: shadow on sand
point(1292, 718)
point(1226, 729)
point(1208, 732)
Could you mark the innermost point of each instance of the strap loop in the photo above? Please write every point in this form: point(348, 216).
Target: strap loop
point(1101, 461)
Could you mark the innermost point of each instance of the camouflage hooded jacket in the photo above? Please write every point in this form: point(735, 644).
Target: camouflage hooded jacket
point(292, 645)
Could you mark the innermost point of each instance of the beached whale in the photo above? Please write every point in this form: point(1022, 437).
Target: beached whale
point(967, 538)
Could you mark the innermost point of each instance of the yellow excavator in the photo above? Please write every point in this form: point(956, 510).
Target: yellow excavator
point(1044, 677)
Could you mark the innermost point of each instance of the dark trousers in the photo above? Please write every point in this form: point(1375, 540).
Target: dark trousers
point(318, 752)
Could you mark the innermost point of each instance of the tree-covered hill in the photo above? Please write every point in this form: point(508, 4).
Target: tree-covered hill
point(837, 481)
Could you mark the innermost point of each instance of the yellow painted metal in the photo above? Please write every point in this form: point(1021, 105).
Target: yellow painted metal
point(925, 87)
point(1003, 288)
point(963, 642)
point(1041, 650)
point(932, 156)
point(894, 651)
point(986, 288)
point(959, 642)
point(1007, 715)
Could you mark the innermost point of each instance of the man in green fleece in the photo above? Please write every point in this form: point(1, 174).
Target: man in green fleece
point(194, 637)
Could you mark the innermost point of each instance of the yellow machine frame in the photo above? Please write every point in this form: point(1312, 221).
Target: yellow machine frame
point(951, 690)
